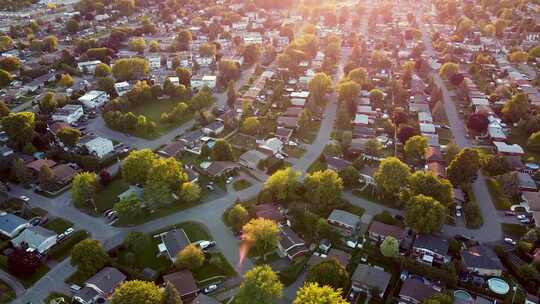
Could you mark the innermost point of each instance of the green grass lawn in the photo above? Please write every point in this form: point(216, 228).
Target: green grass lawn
point(295, 152)
point(215, 266)
point(515, 231)
point(241, 184)
point(6, 293)
point(194, 231)
point(58, 225)
point(154, 110)
point(317, 166)
point(106, 197)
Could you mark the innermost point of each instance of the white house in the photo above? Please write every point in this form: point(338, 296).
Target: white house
point(155, 62)
point(88, 67)
point(122, 88)
point(68, 114)
point(272, 145)
point(174, 80)
point(11, 225)
point(198, 82)
point(94, 99)
point(97, 146)
point(37, 238)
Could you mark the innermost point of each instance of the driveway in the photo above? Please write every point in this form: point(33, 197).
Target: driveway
point(12, 282)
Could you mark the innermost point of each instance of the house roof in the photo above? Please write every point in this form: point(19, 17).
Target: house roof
point(505, 148)
point(387, 230)
point(219, 167)
point(289, 238)
point(480, 256)
point(341, 256)
point(63, 173)
point(37, 164)
point(269, 211)
point(371, 276)
point(414, 288)
point(10, 222)
point(33, 236)
point(183, 281)
point(526, 181)
point(344, 217)
point(172, 149)
point(253, 156)
point(336, 162)
point(107, 279)
point(433, 243)
point(175, 240)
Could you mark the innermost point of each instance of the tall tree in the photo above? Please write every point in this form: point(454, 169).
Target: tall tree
point(69, 136)
point(231, 94)
point(172, 296)
point(464, 168)
point(424, 214)
point(46, 177)
point(313, 293)
point(323, 188)
point(137, 292)
point(429, 184)
point(19, 128)
point(392, 175)
point(260, 285)
point(319, 86)
point(190, 257)
point(84, 188)
point(415, 148)
point(283, 184)
point(238, 216)
point(329, 272)
point(136, 166)
point(222, 150)
point(89, 257)
point(262, 233)
point(389, 247)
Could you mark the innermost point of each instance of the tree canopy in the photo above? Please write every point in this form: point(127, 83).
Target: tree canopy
point(424, 214)
point(329, 272)
point(137, 292)
point(262, 233)
point(313, 293)
point(283, 184)
point(260, 285)
point(89, 257)
point(392, 175)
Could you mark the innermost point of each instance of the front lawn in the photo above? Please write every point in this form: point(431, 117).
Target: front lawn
point(153, 112)
point(241, 184)
point(295, 152)
point(108, 195)
point(58, 225)
point(6, 293)
point(215, 268)
point(194, 231)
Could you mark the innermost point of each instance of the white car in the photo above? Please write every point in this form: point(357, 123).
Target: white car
point(229, 179)
point(210, 288)
point(24, 198)
point(510, 241)
point(69, 231)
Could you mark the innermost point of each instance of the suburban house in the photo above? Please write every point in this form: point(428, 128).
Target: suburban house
point(184, 282)
point(199, 81)
point(220, 168)
point(335, 163)
point(94, 99)
point(431, 249)
point(88, 67)
point(214, 128)
point(100, 286)
point(37, 238)
point(414, 291)
point(11, 225)
point(378, 231)
point(174, 149)
point(290, 244)
point(367, 278)
point(271, 146)
point(269, 212)
point(251, 158)
point(283, 134)
point(96, 145)
point(344, 258)
point(346, 222)
point(69, 113)
point(172, 242)
point(481, 260)
point(122, 88)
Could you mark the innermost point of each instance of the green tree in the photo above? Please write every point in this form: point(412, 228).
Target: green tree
point(153, 46)
point(72, 26)
point(137, 292)
point(376, 97)
point(319, 86)
point(130, 69)
point(350, 176)
point(202, 99)
point(6, 43)
point(449, 69)
point(329, 272)
point(48, 103)
point(260, 285)
point(348, 90)
point(190, 192)
point(136, 166)
point(304, 121)
point(184, 76)
point(172, 296)
point(10, 64)
point(69, 136)
point(251, 125)
point(137, 44)
point(439, 298)
point(190, 257)
point(222, 151)
point(283, 184)
point(231, 93)
point(373, 147)
point(5, 78)
point(429, 184)
point(84, 188)
point(46, 177)
point(416, 148)
point(19, 128)
point(89, 257)
point(4, 109)
point(358, 75)
point(517, 108)
point(129, 207)
point(392, 175)
point(207, 50)
point(102, 70)
point(262, 233)
point(389, 247)
point(183, 40)
point(237, 216)
point(463, 170)
point(323, 188)
point(424, 214)
point(252, 53)
point(451, 151)
point(313, 293)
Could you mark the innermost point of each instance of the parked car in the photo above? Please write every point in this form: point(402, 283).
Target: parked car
point(35, 221)
point(210, 187)
point(229, 179)
point(510, 241)
point(210, 288)
point(206, 244)
point(74, 288)
point(24, 198)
